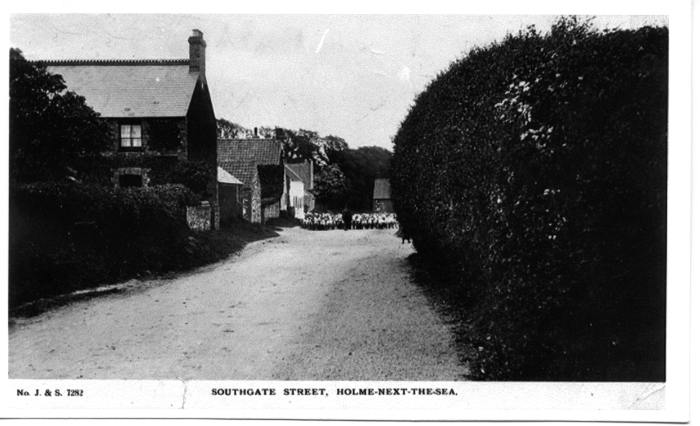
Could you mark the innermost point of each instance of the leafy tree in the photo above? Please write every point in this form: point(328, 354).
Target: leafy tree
point(362, 166)
point(229, 130)
point(330, 187)
point(51, 128)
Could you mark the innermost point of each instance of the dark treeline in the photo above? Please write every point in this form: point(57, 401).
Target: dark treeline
point(532, 175)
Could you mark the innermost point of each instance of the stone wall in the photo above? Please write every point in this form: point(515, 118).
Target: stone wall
point(271, 211)
point(255, 201)
point(199, 218)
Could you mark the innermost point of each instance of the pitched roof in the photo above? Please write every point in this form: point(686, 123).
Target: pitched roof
point(240, 157)
point(382, 189)
point(130, 88)
point(292, 174)
point(303, 171)
point(222, 176)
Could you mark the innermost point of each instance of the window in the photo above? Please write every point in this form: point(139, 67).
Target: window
point(130, 136)
point(130, 181)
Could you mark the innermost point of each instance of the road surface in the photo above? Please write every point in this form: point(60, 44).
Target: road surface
point(307, 305)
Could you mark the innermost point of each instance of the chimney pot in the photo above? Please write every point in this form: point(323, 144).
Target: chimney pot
point(197, 51)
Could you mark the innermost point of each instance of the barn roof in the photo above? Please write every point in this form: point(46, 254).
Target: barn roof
point(222, 176)
point(240, 157)
point(382, 189)
point(130, 88)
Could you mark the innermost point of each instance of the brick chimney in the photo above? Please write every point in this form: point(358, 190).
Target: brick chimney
point(197, 50)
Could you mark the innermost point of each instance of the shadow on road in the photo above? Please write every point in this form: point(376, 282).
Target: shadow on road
point(450, 300)
point(221, 244)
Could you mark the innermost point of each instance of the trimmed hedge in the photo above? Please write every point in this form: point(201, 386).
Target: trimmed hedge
point(67, 236)
point(532, 175)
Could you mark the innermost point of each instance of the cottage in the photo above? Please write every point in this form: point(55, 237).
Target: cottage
point(257, 163)
point(381, 199)
point(294, 198)
point(160, 113)
point(299, 183)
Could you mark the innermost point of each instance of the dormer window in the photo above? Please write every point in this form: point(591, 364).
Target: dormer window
point(130, 136)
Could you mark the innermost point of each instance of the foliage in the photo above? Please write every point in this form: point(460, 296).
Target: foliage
point(195, 175)
point(308, 145)
point(330, 187)
point(50, 127)
point(533, 172)
point(229, 130)
point(65, 236)
point(362, 166)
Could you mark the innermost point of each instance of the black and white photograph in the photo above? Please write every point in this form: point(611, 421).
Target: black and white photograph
point(361, 210)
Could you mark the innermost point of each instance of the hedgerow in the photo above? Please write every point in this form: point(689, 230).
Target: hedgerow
point(532, 175)
point(67, 236)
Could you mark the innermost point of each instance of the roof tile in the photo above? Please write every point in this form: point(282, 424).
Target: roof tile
point(122, 89)
point(240, 157)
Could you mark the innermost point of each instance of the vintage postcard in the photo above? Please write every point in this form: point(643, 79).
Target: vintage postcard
point(473, 214)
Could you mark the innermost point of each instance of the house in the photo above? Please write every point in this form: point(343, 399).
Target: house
point(294, 199)
point(257, 163)
point(230, 197)
point(381, 198)
point(299, 181)
point(160, 114)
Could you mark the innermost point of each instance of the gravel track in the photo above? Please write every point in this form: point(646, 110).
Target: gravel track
point(307, 305)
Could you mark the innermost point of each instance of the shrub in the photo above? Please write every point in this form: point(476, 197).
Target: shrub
point(65, 236)
point(195, 175)
point(533, 171)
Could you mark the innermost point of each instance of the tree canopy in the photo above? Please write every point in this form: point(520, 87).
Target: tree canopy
point(51, 128)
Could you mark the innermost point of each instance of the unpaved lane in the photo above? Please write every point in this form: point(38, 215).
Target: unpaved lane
point(325, 305)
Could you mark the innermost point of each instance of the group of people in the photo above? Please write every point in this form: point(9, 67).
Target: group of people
point(347, 220)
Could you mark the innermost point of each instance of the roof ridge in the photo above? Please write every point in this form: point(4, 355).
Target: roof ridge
point(247, 139)
point(69, 62)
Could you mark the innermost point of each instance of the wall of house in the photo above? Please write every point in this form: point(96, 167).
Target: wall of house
point(296, 198)
point(160, 136)
point(309, 202)
point(202, 143)
point(271, 211)
point(164, 142)
point(383, 206)
point(230, 203)
point(255, 208)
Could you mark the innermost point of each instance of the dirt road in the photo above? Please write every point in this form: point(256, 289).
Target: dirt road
point(307, 305)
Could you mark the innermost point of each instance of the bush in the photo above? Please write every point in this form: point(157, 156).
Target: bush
point(162, 170)
point(66, 236)
point(533, 172)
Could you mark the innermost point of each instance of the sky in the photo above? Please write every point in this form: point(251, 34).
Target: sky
point(353, 76)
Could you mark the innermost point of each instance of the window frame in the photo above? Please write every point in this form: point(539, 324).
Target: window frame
point(131, 138)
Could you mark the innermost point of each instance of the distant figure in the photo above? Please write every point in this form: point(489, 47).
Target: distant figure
point(347, 218)
point(404, 237)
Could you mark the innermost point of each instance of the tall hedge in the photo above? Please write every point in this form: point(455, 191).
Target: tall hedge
point(532, 174)
point(68, 236)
